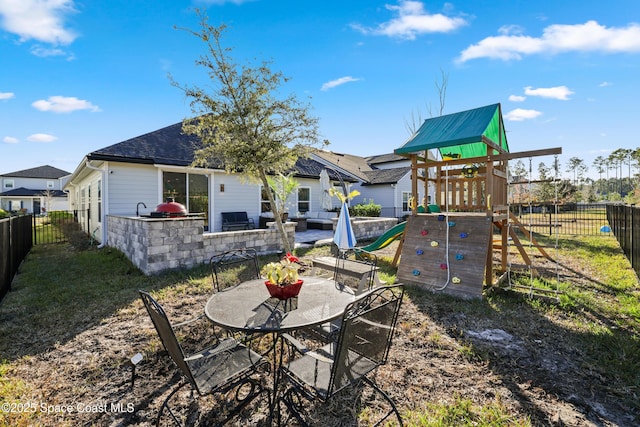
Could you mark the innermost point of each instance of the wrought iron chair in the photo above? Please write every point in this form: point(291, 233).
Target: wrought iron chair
point(243, 263)
point(356, 268)
point(364, 341)
point(220, 368)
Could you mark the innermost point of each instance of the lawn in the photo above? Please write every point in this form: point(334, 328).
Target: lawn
point(73, 320)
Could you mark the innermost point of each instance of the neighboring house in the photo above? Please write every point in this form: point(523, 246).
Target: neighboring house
point(35, 190)
point(134, 176)
point(383, 179)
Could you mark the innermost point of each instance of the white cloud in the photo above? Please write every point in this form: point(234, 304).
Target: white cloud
point(6, 95)
point(558, 92)
point(411, 20)
point(41, 137)
point(517, 98)
point(338, 82)
point(10, 140)
point(519, 115)
point(605, 84)
point(587, 37)
point(44, 52)
point(41, 20)
point(64, 104)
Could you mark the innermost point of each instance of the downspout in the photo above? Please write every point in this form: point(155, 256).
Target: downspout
point(103, 214)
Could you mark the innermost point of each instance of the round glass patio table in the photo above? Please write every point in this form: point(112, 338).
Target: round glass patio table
point(249, 307)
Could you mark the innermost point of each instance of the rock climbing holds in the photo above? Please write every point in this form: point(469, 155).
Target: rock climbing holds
point(452, 223)
point(459, 257)
point(434, 244)
point(416, 272)
point(419, 252)
point(443, 266)
point(463, 235)
point(440, 217)
point(455, 280)
point(424, 232)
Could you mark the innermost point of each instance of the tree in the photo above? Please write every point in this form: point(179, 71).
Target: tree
point(416, 116)
point(243, 122)
point(577, 166)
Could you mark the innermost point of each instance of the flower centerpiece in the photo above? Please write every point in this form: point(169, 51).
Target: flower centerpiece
point(283, 280)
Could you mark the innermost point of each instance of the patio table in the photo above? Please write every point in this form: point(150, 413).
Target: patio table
point(248, 307)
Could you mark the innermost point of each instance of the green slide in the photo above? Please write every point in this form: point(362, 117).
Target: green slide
point(385, 240)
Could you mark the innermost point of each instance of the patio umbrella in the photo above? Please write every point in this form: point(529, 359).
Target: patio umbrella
point(344, 237)
point(324, 188)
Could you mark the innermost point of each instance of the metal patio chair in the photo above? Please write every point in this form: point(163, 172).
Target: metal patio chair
point(356, 268)
point(234, 266)
point(363, 344)
point(220, 368)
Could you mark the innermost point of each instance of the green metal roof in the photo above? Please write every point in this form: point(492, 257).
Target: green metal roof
point(460, 134)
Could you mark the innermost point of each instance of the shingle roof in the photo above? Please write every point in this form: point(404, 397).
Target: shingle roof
point(41, 172)
point(384, 158)
point(170, 146)
point(355, 165)
point(386, 176)
point(25, 192)
point(167, 146)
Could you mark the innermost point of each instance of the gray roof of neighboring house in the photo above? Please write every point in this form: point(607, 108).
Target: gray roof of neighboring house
point(354, 165)
point(384, 158)
point(41, 172)
point(386, 176)
point(170, 146)
point(25, 192)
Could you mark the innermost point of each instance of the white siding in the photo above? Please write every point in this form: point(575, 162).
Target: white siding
point(238, 195)
point(129, 184)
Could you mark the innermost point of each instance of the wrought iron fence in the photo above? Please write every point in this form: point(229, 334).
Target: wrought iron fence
point(625, 224)
point(15, 244)
point(50, 228)
point(578, 219)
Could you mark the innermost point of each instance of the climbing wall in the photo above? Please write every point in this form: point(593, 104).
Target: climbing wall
point(457, 268)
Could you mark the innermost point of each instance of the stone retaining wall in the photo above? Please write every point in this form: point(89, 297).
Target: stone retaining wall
point(157, 244)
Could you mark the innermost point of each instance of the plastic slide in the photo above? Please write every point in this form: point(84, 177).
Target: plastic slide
point(385, 240)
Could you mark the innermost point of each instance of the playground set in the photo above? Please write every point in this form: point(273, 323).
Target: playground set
point(448, 245)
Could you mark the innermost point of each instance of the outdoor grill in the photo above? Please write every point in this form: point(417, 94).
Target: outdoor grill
point(169, 209)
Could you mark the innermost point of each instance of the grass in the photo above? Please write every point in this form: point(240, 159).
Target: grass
point(60, 293)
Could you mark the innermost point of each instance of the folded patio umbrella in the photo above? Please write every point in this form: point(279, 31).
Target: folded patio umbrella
point(344, 237)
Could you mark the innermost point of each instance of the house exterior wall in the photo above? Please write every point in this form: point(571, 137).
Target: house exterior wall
point(14, 203)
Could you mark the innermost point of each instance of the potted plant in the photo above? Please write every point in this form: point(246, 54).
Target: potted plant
point(283, 279)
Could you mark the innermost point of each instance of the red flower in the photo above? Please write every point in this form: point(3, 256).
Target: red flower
point(292, 258)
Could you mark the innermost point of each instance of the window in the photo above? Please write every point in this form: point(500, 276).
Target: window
point(304, 199)
point(99, 200)
point(192, 190)
point(9, 183)
point(405, 200)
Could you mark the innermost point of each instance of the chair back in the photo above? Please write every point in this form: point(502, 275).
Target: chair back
point(232, 267)
point(353, 261)
point(365, 336)
point(166, 334)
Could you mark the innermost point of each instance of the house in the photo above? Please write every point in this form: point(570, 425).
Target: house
point(382, 179)
point(36, 190)
point(132, 177)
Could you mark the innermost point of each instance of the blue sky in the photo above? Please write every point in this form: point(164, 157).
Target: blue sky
point(76, 76)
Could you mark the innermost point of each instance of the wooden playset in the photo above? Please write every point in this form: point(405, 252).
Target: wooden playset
point(448, 245)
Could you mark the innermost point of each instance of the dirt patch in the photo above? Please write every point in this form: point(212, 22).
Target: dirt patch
point(500, 350)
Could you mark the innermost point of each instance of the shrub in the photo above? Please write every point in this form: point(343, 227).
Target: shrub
point(76, 236)
point(4, 214)
point(366, 209)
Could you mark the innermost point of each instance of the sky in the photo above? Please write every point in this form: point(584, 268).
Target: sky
point(77, 76)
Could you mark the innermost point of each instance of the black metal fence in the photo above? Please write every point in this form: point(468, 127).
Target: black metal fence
point(625, 224)
point(50, 228)
point(15, 244)
point(578, 219)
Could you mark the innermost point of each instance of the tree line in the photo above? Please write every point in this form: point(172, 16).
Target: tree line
point(617, 180)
